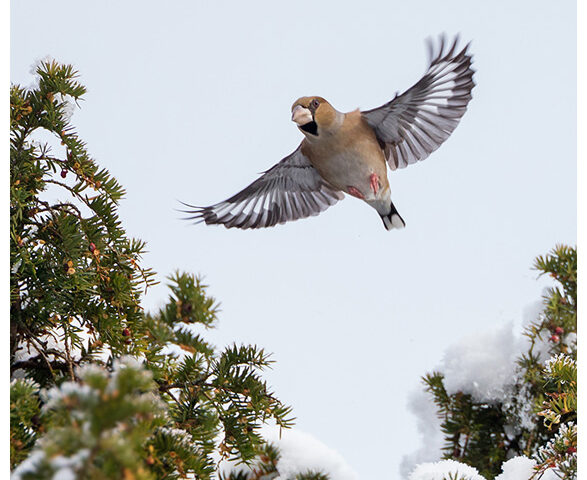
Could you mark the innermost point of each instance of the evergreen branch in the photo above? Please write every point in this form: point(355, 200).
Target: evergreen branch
point(78, 271)
point(41, 363)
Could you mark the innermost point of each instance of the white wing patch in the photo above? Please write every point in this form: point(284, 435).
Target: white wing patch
point(288, 191)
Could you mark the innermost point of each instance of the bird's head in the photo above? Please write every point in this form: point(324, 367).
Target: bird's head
point(313, 115)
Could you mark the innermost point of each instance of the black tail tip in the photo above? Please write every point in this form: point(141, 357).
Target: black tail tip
point(393, 219)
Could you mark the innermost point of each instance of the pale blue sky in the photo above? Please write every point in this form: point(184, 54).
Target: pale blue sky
point(190, 100)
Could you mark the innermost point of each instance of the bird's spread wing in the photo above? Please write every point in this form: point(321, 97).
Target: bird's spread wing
point(290, 190)
point(414, 124)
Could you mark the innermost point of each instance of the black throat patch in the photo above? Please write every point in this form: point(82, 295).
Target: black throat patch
point(310, 127)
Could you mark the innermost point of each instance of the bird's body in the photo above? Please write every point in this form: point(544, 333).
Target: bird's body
point(350, 152)
point(347, 155)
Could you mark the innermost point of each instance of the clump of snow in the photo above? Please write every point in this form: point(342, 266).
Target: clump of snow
point(175, 351)
point(33, 70)
point(523, 468)
point(28, 465)
point(300, 452)
point(26, 351)
point(420, 403)
point(517, 468)
point(67, 468)
point(482, 364)
point(65, 474)
point(442, 471)
point(68, 105)
point(571, 340)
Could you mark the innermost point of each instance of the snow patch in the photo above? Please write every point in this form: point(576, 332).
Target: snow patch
point(175, 351)
point(571, 340)
point(33, 71)
point(67, 468)
point(300, 452)
point(443, 469)
point(68, 105)
point(420, 403)
point(522, 468)
point(482, 364)
point(28, 465)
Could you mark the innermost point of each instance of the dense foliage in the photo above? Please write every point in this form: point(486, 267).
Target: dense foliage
point(537, 416)
point(100, 388)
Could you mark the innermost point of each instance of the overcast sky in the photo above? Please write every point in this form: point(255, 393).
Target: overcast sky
point(189, 100)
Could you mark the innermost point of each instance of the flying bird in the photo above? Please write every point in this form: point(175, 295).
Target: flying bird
point(349, 152)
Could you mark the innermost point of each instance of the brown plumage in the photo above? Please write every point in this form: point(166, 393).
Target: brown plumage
point(350, 152)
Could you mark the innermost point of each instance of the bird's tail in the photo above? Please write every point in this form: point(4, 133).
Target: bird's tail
point(392, 219)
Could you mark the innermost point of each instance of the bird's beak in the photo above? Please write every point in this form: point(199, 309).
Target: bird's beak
point(301, 115)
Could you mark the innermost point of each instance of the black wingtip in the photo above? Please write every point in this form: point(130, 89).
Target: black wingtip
point(435, 56)
point(197, 214)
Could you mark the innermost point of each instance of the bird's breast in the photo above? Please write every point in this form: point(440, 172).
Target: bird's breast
point(351, 165)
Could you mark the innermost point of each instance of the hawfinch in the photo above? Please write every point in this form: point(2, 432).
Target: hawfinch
point(349, 152)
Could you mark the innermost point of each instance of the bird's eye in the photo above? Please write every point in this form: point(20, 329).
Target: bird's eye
point(315, 103)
